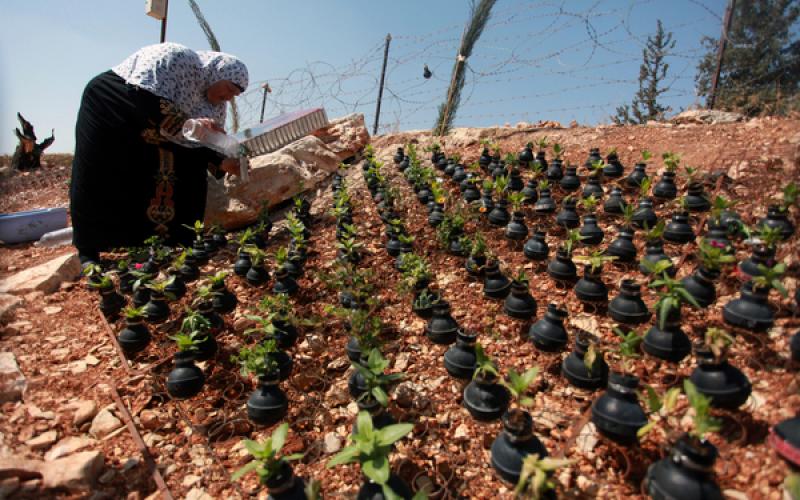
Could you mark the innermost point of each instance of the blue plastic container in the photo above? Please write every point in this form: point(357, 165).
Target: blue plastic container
point(19, 227)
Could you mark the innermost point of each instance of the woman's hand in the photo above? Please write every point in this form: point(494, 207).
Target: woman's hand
point(230, 166)
point(211, 124)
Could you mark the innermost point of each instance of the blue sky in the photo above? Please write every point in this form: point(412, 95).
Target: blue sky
point(559, 60)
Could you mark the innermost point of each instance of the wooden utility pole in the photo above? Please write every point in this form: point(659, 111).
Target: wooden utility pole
point(723, 42)
point(164, 22)
point(267, 90)
point(380, 88)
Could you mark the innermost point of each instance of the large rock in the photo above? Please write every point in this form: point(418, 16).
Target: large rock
point(278, 176)
point(45, 277)
point(68, 446)
point(709, 116)
point(12, 382)
point(73, 472)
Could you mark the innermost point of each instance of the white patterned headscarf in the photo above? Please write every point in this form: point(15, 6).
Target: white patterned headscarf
point(218, 66)
point(177, 73)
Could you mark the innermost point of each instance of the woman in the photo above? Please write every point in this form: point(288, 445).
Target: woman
point(134, 175)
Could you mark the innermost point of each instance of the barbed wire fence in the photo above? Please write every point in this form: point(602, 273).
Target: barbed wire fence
point(542, 47)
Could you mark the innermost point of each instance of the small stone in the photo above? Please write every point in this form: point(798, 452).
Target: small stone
point(12, 382)
point(339, 364)
point(587, 438)
point(67, 446)
point(104, 424)
point(401, 361)
point(51, 310)
point(338, 395)
point(77, 367)
point(43, 441)
point(150, 419)
point(198, 494)
point(85, 410)
point(36, 413)
point(8, 303)
point(91, 360)
point(332, 443)
point(190, 480)
point(241, 324)
point(462, 431)
point(152, 438)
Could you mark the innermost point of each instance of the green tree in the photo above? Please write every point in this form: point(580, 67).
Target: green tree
point(760, 71)
point(652, 72)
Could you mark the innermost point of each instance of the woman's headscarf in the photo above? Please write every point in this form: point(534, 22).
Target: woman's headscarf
point(177, 73)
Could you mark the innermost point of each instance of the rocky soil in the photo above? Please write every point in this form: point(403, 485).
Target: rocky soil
point(78, 421)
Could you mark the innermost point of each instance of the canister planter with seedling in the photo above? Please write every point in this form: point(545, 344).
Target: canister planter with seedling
point(370, 376)
point(516, 229)
point(585, 367)
point(617, 412)
point(665, 188)
point(562, 268)
point(590, 288)
point(536, 248)
point(135, 336)
point(284, 282)
point(591, 232)
point(594, 183)
point(644, 216)
point(476, 260)
point(243, 263)
point(700, 284)
point(198, 244)
point(460, 360)
point(186, 379)
point(495, 284)
point(268, 403)
point(441, 328)
point(714, 377)
point(615, 203)
point(516, 441)
point(688, 470)
point(371, 448)
point(520, 304)
point(273, 469)
point(665, 340)
point(570, 181)
point(568, 216)
point(623, 247)
point(554, 172)
point(498, 215)
point(548, 333)
point(654, 251)
point(639, 173)
point(111, 302)
point(197, 326)
point(751, 310)
point(484, 397)
point(157, 310)
point(545, 204)
point(613, 167)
